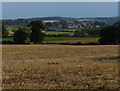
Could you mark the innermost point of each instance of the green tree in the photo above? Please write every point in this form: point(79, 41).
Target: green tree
point(117, 25)
point(87, 32)
point(5, 32)
point(22, 35)
point(108, 35)
point(38, 31)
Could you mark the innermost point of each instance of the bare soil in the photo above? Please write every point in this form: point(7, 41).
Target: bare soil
point(60, 67)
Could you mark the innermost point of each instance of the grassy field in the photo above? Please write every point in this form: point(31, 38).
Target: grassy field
point(6, 39)
point(60, 67)
point(59, 38)
point(69, 38)
point(59, 33)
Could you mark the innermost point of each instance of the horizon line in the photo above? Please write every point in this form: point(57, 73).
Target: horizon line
point(57, 16)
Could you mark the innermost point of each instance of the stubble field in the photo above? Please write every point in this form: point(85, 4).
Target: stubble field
point(60, 67)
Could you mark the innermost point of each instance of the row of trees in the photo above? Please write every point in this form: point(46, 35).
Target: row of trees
point(87, 32)
point(34, 32)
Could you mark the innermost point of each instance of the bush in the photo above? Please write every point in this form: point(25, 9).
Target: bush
point(22, 35)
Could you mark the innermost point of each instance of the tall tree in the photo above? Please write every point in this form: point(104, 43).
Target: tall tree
point(38, 31)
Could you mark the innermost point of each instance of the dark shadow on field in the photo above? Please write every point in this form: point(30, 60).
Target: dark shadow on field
point(111, 59)
point(77, 43)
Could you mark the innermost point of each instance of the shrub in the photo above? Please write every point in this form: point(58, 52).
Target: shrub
point(22, 35)
point(5, 32)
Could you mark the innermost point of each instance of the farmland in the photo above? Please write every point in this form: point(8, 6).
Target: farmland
point(47, 39)
point(60, 67)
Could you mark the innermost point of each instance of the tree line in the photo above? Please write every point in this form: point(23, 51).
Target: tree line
point(35, 32)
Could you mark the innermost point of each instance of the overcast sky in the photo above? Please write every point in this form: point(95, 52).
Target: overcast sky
point(12, 10)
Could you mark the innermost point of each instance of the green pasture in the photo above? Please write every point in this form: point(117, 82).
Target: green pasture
point(6, 39)
point(58, 38)
point(59, 33)
point(69, 38)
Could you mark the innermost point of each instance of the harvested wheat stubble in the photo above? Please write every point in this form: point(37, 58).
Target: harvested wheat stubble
point(60, 67)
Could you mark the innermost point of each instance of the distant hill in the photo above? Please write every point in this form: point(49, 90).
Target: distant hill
point(24, 22)
point(54, 18)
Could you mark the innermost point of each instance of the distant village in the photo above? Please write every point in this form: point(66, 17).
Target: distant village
point(76, 25)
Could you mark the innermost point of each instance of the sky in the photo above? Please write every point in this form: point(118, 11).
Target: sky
point(14, 10)
point(60, 0)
